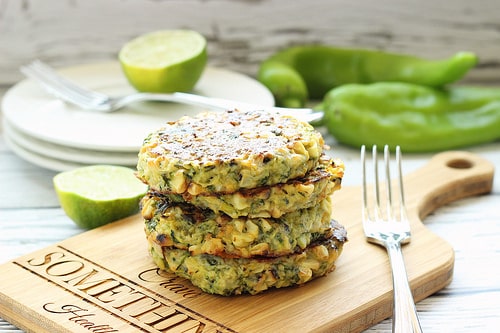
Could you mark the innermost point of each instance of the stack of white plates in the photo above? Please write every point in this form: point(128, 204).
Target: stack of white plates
point(55, 135)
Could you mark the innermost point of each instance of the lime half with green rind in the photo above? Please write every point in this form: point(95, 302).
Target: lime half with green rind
point(95, 195)
point(164, 61)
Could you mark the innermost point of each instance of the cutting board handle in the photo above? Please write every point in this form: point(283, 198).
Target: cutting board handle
point(447, 177)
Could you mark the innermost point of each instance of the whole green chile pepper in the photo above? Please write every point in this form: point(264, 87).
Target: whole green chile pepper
point(302, 72)
point(417, 118)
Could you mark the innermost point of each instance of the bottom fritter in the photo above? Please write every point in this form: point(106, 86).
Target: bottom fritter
point(233, 276)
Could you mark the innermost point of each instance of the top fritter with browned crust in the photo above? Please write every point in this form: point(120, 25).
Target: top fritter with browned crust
point(225, 152)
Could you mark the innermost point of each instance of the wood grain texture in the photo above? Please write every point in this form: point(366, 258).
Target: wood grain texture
point(472, 226)
point(241, 33)
point(78, 274)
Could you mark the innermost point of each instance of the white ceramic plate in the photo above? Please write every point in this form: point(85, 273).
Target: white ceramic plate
point(32, 111)
point(65, 153)
point(41, 160)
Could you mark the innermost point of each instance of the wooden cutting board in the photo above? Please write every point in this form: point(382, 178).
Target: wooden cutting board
point(104, 281)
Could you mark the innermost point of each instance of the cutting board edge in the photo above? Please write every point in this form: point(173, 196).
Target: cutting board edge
point(19, 310)
point(438, 280)
point(373, 314)
point(422, 287)
point(366, 316)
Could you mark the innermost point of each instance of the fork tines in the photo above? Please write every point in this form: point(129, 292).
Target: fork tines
point(377, 210)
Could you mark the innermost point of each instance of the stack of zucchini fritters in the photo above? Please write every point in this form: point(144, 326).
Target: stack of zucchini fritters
point(239, 201)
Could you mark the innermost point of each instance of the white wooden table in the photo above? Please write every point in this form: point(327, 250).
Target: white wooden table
point(241, 33)
point(30, 219)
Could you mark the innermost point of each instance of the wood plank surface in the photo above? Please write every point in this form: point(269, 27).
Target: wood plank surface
point(104, 278)
point(241, 33)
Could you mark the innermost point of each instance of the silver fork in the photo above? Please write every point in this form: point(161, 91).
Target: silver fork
point(73, 93)
point(391, 230)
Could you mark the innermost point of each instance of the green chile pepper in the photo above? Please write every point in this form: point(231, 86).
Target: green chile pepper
point(418, 118)
point(302, 72)
point(286, 85)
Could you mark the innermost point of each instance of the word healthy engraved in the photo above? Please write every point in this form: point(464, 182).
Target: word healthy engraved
point(120, 297)
point(79, 318)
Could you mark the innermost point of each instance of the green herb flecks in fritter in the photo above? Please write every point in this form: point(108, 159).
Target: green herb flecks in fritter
point(230, 276)
point(199, 231)
point(225, 152)
point(276, 200)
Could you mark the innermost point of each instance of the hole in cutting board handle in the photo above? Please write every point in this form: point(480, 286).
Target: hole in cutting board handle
point(460, 163)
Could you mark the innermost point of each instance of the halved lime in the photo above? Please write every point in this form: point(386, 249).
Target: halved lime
point(96, 195)
point(164, 61)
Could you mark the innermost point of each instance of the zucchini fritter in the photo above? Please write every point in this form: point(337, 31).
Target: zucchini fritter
point(225, 152)
point(276, 200)
point(229, 276)
point(240, 201)
point(199, 231)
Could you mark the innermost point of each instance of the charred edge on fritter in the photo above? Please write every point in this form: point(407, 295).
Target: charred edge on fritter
point(334, 238)
point(312, 177)
point(339, 232)
point(233, 276)
point(270, 201)
point(225, 152)
point(202, 231)
point(316, 239)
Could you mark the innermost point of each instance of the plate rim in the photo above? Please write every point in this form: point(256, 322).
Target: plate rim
point(11, 97)
point(76, 155)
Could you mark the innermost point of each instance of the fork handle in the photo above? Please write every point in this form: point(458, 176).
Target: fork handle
point(306, 114)
point(405, 318)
